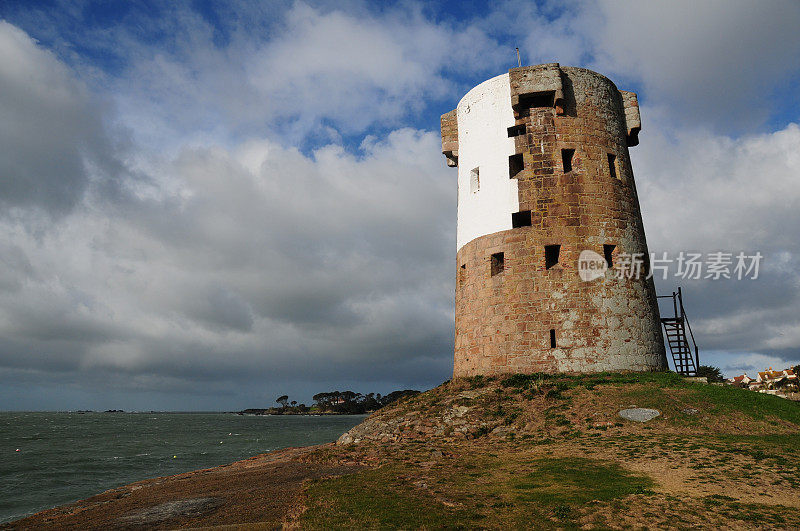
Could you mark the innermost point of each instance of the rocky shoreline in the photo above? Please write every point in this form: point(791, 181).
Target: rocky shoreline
point(263, 489)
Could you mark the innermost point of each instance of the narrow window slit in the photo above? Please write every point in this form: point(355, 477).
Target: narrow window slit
point(552, 338)
point(498, 263)
point(515, 165)
point(608, 251)
point(566, 159)
point(521, 219)
point(612, 165)
point(551, 253)
point(475, 180)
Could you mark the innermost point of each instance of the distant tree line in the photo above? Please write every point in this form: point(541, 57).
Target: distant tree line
point(349, 402)
point(333, 402)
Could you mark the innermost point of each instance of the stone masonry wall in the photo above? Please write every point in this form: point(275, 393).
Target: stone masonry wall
point(449, 124)
point(504, 320)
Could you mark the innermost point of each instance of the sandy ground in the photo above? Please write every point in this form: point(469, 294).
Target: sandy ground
point(257, 493)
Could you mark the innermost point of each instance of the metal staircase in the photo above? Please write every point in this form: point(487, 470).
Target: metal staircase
point(684, 354)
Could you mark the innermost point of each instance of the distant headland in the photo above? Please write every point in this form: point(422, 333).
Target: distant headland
point(332, 403)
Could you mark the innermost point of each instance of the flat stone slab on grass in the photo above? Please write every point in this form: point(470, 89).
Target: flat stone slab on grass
point(639, 414)
point(696, 379)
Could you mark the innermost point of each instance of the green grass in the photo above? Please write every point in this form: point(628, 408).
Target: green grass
point(574, 481)
point(375, 499)
point(718, 399)
point(737, 437)
point(725, 399)
point(493, 492)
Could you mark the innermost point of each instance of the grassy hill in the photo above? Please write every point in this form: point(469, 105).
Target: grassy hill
point(522, 452)
point(551, 450)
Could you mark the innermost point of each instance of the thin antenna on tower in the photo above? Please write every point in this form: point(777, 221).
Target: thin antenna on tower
point(519, 61)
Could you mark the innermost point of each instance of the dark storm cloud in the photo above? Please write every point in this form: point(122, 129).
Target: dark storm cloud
point(289, 267)
point(52, 138)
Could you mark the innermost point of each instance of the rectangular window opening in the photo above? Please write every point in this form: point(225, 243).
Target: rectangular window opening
point(515, 165)
point(517, 130)
point(521, 219)
point(498, 263)
point(608, 252)
point(552, 338)
point(551, 253)
point(474, 180)
point(566, 159)
point(612, 165)
point(537, 99)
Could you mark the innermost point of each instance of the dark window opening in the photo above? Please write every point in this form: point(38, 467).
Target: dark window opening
point(551, 253)
point(552, 338)
point(515, 165)
point(612, 165)
point(537, 99)
point(521, 219)
point(517, 130)
point(608, 251)
point(498, 263)
point(566, 159)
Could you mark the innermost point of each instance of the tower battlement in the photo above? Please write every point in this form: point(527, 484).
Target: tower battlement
point(543, 174)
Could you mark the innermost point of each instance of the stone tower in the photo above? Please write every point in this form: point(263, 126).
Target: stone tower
point(544, 174)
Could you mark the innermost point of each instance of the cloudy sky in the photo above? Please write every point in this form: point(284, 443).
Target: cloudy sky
point(207, 205)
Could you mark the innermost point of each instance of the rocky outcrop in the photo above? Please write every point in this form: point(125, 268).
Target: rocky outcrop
point(444, 417)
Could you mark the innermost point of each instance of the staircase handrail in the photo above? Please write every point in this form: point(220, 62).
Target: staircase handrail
point(689, 326)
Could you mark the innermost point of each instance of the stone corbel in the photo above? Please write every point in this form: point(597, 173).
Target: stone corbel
point(449, 124)
point(633, 120)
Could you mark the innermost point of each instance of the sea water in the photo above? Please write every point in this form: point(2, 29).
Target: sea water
point(48, 459)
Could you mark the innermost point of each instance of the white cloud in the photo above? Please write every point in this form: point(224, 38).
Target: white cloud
point(321, 72)
point(552, 32)
point(716, 63)
point(711, 192)
point(713, 61)
point(703, 192)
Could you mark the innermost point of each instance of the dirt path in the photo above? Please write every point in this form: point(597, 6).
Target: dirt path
point(259, 491)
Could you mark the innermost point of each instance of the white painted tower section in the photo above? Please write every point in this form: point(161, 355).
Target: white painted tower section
point(484, 116)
